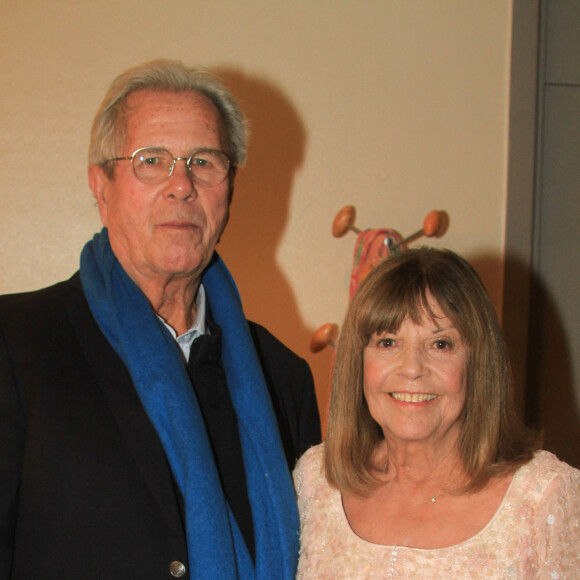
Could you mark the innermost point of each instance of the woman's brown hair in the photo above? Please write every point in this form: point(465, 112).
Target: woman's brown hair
point(493, 440)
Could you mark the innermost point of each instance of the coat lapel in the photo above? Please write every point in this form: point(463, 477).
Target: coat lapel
point(123, 401)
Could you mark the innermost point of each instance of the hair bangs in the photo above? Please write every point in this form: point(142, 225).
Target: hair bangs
point(387, 300)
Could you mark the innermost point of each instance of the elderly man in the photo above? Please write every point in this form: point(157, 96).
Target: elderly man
point(147, 429)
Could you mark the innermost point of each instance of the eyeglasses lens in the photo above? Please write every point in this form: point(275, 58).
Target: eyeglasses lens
point(153, 166)
point(209, 167)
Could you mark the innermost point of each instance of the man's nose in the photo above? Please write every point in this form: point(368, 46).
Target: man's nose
point(180, 181)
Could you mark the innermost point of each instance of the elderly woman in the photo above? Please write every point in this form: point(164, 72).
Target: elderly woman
point(426, 471)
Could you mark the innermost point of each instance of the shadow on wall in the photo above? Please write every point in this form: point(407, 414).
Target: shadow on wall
point(552, 400)
point(540, 356)
point(259, 214)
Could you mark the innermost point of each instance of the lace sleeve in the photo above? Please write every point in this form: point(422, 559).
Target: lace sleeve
point(305, 473)
point(558, 527)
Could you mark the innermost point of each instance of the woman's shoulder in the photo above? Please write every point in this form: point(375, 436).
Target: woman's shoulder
point(311, 462)
point(545, 473)
point(546, 464)
point(309, 471)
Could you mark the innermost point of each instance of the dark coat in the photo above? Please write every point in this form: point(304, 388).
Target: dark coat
point(85, 488)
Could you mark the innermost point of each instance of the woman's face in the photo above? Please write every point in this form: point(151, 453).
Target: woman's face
point(415, 380)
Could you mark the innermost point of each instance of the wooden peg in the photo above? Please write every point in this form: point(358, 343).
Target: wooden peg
point(431, 225)
point(325, 335)
point(344, 221)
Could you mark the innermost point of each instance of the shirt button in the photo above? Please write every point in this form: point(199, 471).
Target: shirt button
point(177, 569)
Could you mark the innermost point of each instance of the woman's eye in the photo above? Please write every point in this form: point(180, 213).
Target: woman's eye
point(442, 345)
point(386, 342)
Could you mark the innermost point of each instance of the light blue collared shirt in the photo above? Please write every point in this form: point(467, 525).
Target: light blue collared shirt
point(198, 329)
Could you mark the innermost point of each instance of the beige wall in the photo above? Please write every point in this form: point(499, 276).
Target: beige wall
point(395, 107)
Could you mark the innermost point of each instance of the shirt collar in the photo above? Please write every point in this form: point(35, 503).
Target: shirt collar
point(199, 327)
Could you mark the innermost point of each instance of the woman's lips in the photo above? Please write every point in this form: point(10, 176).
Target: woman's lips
point(413, 397)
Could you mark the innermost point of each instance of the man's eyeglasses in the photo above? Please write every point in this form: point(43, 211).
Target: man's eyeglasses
point(153, 165)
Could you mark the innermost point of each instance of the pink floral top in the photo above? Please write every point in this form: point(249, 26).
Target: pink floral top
point(535, 532)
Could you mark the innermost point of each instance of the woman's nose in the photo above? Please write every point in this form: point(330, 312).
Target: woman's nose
point(412, 362)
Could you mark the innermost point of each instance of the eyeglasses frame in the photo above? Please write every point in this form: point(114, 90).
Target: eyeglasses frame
point(187, 160)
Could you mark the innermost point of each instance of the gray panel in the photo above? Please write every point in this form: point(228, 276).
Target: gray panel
point(559, 273)
point(563, 42)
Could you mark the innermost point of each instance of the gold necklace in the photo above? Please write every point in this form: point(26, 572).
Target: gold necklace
point(431, 499)
point(434, 498)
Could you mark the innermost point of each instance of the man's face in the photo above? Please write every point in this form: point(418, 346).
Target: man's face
point(160, 232)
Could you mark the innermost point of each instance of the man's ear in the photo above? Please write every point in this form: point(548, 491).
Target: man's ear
point(98, 182)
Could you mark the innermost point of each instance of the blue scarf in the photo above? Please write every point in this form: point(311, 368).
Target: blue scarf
point(215, 544)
